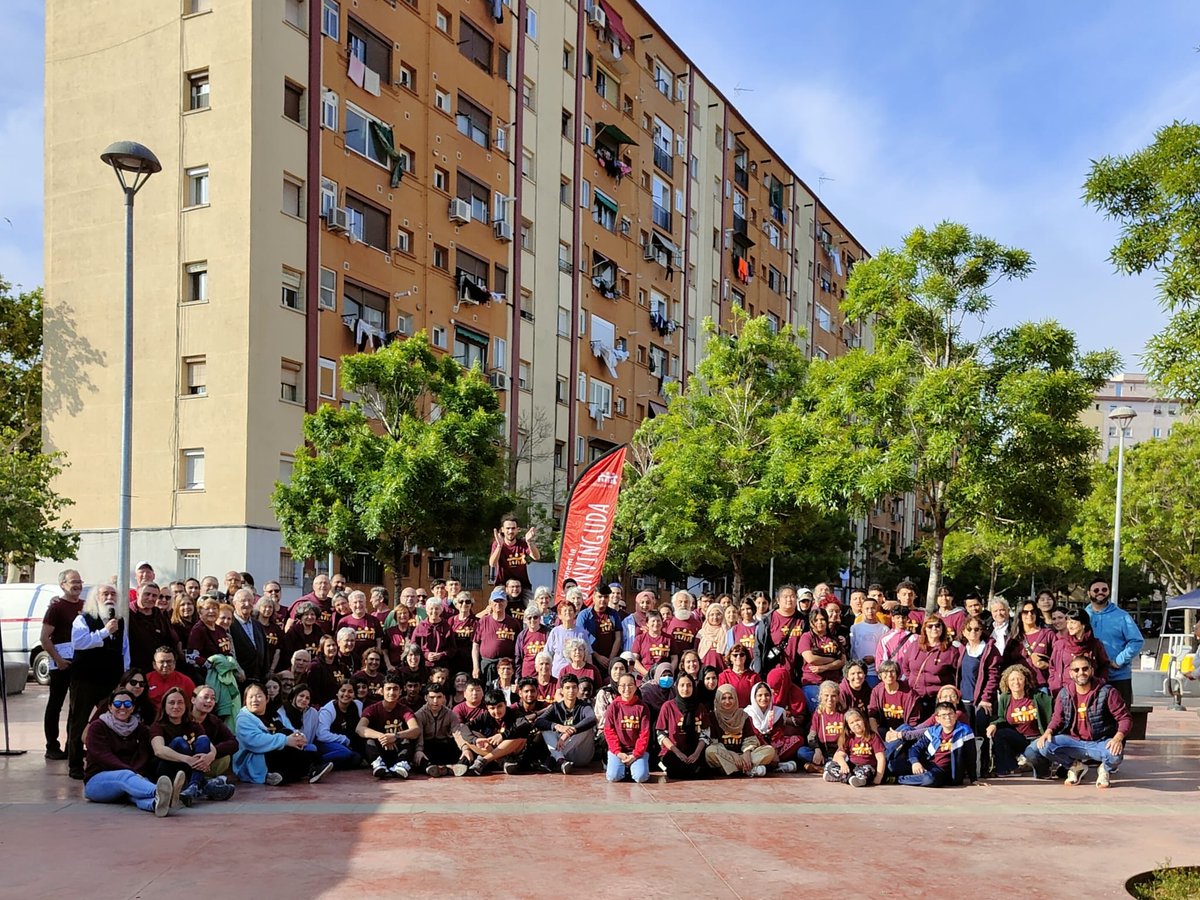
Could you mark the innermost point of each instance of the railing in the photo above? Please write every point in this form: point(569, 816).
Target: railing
point(662, 217)
point(664, 160)
point(740, 177)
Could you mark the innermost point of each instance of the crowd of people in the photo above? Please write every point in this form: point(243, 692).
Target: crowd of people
point(203, 689)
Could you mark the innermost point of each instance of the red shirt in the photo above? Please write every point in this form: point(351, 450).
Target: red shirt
point(783, 627)
point(157, 686)
point(627, 727)
point(860, 751)
point(1022, 715)
point(682, 633)
point(652, 650)
point(825, 729)
point(744, 634)
point(496, 639)
point(743, 684)
point(513, 562)
point(822, 646)
point(389, 721)
point(893, 710)
point(367, 633)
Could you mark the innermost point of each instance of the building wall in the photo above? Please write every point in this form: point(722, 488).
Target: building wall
point(1156, 415)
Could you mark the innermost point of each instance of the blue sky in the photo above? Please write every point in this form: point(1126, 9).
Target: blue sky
point(982, 112)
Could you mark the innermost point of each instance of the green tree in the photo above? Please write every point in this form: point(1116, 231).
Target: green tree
point(21, 364)
point(982, 426)
point(415, 463)
point(1154, 193)
point(1160, 510)
point(702, 497)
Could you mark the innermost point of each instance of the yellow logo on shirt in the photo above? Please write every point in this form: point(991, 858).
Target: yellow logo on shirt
point(630, 723)
point(892, 711)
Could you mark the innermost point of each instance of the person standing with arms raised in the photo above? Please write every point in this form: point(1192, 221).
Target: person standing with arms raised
point(511, 553)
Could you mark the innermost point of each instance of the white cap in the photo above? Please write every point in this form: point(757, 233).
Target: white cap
point(145, 562)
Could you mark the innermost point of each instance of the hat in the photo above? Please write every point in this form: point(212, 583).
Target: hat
point(615, 585)
point(144, 564)
point(804, 594)
point(497, 594)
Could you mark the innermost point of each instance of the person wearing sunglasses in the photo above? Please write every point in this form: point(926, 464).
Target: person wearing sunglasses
point(1090, 722)
point(1031, 645)
point(1119, 634)
point(931, 663)
point(118, 754)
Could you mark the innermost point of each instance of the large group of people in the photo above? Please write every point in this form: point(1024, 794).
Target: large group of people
point(201, 690)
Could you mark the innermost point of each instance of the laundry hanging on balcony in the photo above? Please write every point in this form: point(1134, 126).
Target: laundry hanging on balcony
point(385, 144)
point(365, 334)
point(470, 291)
point(741, 269)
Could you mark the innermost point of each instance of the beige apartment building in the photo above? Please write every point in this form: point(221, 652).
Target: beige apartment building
point(551, 190)
point(1155, 418)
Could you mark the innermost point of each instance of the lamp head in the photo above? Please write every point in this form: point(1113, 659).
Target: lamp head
point(133, 159)
point(1122, 416)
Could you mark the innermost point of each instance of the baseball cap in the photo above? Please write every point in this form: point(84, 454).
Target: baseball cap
point(497, 594)
point(145, 563)
point(804, 594)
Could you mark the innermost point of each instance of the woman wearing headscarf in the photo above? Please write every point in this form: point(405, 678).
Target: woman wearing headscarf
point(682, 731)
point(712, 638)
point(707, 682)
point(1077, 640)
point(118, 754)
point(736, 747)
point(772, 724)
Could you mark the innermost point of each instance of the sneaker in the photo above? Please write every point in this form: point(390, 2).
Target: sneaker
point(220, 779)
point(858, 781)
point(218, 790)
point(567, 767)
point(55, 752)
point(1102, 778)
point(512, 767)
point(1023, 763)
point(478, 767)
point(458, 770)
point(435, 771)
point(319, 771)
point(189, 795)
point(163, 789)
point(757, 772)
point(787, 768)
point(1076, 772)
point(177, 786)
point(380, 771)
point(274, 779)
point(399, 770)
point(831, 778)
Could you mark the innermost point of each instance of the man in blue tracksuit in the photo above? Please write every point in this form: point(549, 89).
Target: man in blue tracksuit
point(1119, 634)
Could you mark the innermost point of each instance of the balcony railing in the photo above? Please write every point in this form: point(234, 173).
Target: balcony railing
point(662, 217)
point(664, 161)
point(740, 177)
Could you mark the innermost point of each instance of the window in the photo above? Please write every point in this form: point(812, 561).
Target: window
point(523, 376)
point(663, 79)
point(195, 286)
point(564, 322)
point(328, 294)
point(568, 58)
point(404, 323)
point(293, 196)
point(293, 292)
point(473, 121)
point(585, 194)
point(287, 568)
point(531, 24)
point(474, 44)
point(197, 186)
point(295, 13)
point(329, 110)
point(408, 77)
point(290, 382)
point(607, 86)
point(564, 257)
point(470, 348)
point(441, 20)
point(620, 406)
point(774, 279)
point(359, 302)
point(189, 564)
point(600, 397)
point(437, 337)
point(194, 376)
point(441, 100)
point(477, 194)
point(560, 389)
point(374, 51)
point(198, 90)
point(293, 102)
point(560, 454)
point(329, 197)
point(824, 319)
point(191, 7)
point(527, 235)
point(605, 211)
point(404, 240)
point(358, 134)
point(368, 223)
point(468, 265)
point(529, 95)
point(441, 258)
point(192, 470)
point(527, 164)
point(327, 378)
point(331, 15)
point(567, 128)
point(441, 179)
point(564, 192)
point(499, 353)
point(504, 64)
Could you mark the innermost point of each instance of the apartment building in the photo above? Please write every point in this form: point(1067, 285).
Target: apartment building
point(1156, 415)
point(549, 190)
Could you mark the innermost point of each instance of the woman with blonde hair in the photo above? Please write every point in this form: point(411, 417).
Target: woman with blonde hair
point(1022, 714)
point(824, 730)
point(735, 745)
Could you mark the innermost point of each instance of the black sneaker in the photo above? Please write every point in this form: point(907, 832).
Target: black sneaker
point(319, 771)
point(512, 767)
point(478, 767)
point(77, 774)
point(55, 752)
point(567, 767)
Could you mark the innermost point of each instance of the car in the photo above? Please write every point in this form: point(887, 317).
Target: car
point(22, 607)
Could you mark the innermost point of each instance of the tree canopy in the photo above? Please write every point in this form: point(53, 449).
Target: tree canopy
point(415, 463)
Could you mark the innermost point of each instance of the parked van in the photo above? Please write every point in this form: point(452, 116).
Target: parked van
point(22, 607)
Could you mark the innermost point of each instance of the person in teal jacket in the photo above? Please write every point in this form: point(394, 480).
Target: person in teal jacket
point(1119, 634)
point(266, 754)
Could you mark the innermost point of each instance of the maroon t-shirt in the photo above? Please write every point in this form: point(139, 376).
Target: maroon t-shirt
point(394, 642)
point(652, 650)
point(208, 642)
point(785, 632)
point(893, 710)
point(825, 729)
point(468, 715)
point(325, 610)
point(60, 615)
point(274, 636)
point(627, 727)
point(389, 721)
point(1022, 715)
point(367, 632)
point(682, 633)
point(585, 672)
point(497, 639)
point(188, 729)
point(530, 644)
point(546, 692)
point(744, 634)
point(943, 751)
point(296, 639)
point(514, 562)
point(860, 751)
point(463, 628)
point(373, 683)
point(743, 683)
point(822, 646)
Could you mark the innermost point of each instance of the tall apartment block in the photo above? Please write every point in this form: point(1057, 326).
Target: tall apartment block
point(1154, 418)
point(550, 190)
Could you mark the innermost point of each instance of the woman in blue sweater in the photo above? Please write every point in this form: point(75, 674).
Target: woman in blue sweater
point(265, 754)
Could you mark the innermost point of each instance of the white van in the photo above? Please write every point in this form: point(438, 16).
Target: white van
point(22, 607)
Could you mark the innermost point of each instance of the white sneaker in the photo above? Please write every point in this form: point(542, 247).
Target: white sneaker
point(787, 768)
point(274, 778)
point(1023, 763)
point(1076, 772)
point(858, 781)
point(399, 770)
point(1102, 778)
point(758, 772)
point(830, 777)
point(162, 796)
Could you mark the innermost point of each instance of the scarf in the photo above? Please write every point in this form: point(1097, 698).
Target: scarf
point(729, 722)
point(712, 637)
point(124, 729)
point(786, 694)
point(687, 705)
point(763, 720)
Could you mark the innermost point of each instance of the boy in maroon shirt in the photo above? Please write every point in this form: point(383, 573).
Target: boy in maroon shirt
point(500, 735)
point(391, 732)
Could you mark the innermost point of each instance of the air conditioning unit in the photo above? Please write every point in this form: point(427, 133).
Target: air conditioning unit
point(503, 231)
point(598, 17)
point(460, 211)
point(338, 219)
point(648, 252)
point(498, 380)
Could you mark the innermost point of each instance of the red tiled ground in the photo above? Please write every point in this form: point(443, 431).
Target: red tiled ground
point(579, 836)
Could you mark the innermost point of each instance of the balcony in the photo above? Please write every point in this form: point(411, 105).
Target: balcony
point(664, 161)
point(741, 178)
point(662, 217)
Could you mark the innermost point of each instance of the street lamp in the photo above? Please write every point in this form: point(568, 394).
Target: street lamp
point(1122, 416)
point(133, 165)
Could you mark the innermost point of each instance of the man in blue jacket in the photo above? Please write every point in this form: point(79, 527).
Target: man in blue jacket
point(1119, 634)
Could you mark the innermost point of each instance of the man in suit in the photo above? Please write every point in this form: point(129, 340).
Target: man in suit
point(249, 639)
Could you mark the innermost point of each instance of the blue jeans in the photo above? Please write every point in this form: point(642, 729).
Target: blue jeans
point(639, 768)
point(180, 745)
point(120, 785)
point(896, 754)
point(1066, 750)
point(341, 755)
point(931, 777)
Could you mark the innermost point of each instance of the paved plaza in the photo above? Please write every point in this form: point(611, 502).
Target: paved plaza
point(577, 836)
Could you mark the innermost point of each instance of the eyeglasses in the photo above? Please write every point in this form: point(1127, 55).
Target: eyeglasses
point(136, 682)
point(122, 704)
point(1100, 590)
point(1029, 612)
point(933, 625)
point(1081, 668)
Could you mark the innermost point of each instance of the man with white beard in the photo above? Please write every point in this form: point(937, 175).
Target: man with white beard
point(101, 649)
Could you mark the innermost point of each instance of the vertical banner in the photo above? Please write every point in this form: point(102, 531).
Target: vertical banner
point(587, 523)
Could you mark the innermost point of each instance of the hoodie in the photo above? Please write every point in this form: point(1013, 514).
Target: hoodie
point(1122, 640)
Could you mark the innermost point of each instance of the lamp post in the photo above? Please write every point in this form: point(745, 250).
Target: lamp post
point(133, 165)
point(1122, 416)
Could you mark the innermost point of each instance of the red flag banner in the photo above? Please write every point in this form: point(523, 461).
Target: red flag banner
point(587, 523)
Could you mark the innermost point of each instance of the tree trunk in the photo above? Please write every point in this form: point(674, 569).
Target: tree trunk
point(992, 584)
point(736, 559)
point(936, 555)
